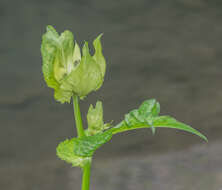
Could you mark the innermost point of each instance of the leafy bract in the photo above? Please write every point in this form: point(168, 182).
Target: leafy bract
point(48, 50)
point(64, 68)
point(95, 119)
point(98, 56)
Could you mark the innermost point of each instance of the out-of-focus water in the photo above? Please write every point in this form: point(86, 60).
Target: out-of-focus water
point(170, 50)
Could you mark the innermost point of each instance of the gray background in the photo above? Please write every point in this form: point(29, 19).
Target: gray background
point(168, 50)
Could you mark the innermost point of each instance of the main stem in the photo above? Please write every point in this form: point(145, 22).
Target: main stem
point(78, 118)
point(86, 176)
point(80, 131)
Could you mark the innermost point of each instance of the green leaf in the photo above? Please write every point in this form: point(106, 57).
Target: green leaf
point(169, 122)
point(147, 117)
point(65, 152)
point(149, 108)
point(145, 114)
point(78, 151)
point(87, 145)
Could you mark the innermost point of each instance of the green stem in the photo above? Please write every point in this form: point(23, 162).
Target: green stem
point(86, 176)
point(80, 131)
point(77, 115)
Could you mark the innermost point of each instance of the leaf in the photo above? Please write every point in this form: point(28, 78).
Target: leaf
point(78, 151)
point(169, 122)
point(145, 113)
point(65, 152)
point(147, 117)
point(87, 145)
point(149, 108)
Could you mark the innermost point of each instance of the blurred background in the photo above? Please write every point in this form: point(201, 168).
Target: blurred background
point(168, 50)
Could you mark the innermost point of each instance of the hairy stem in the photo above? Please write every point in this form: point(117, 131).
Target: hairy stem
point(77, 115)
point(86, 176)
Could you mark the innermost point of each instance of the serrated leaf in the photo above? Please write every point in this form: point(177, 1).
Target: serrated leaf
point(146, 117)
point(78, 151)
point(87, 145)
point(65, 152)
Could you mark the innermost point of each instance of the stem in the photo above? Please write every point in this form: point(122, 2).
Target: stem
point(86, 176)
point(77, 115)
point(80, 131)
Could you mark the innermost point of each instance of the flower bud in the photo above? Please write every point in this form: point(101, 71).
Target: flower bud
point(64, 68)
point(95, 119)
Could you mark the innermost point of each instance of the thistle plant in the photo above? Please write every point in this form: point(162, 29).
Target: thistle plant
point(73, 73)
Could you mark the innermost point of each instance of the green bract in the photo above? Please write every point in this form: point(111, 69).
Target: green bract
point(64, 68)
point(95, 119)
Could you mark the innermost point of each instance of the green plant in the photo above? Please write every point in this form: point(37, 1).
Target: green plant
point(74, 76)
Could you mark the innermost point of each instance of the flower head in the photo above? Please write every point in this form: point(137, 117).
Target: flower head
point(66, 70)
